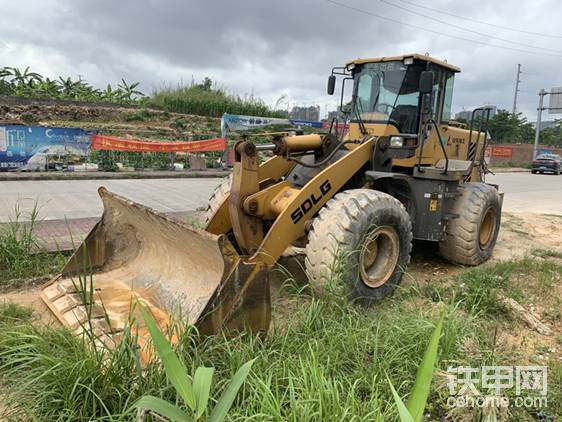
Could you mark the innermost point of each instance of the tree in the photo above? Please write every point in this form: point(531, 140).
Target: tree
point(552, 136)
point(207, 84)
point(506, 127)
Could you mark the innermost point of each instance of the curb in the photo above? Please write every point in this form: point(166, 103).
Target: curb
point(6, 177)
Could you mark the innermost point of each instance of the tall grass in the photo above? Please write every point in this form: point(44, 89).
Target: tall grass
point(21, 255)
point(207, 101)
point(322, 360)
point(329, 362)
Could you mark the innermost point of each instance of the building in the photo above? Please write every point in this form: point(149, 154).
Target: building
point(311, 113)
point(335, 114)
point(466, 115)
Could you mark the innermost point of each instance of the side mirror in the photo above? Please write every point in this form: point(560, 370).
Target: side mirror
point(426, 82)
point(331, 84)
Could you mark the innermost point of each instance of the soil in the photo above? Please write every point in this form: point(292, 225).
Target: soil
point(114, 120)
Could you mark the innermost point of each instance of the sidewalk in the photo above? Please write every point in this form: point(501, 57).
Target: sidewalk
point(65, 235)
point(101, 175)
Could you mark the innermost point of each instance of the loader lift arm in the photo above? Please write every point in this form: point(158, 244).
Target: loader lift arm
point(288, 207)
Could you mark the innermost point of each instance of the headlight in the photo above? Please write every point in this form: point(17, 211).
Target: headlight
point(396, 142)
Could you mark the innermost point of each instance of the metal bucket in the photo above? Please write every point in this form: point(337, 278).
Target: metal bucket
point(134, 254)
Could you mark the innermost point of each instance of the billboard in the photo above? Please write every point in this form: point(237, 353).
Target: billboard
point(27, 147)
point(555, 103)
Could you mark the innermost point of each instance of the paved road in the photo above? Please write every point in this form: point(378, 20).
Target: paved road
point(526, 192)
point(78, 198)
point(58, 199)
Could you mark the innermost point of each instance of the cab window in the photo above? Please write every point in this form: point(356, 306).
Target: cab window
point(442, 95)
point(448, 98)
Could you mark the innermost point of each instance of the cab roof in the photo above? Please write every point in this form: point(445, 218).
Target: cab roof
point(415, 56)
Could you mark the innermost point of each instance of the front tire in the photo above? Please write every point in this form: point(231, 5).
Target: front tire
point(471, 234)
point(217, 198)
point(362, 238)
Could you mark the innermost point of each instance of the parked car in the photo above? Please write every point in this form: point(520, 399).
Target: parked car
point(546, 163)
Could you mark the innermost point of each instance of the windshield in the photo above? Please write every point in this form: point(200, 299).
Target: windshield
point(389, 92)
point(548, 157)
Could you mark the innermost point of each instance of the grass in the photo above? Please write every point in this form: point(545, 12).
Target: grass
point(322, 360)
point(478, 290)
point(207, 101)
point(21, 256)
point(329, 362)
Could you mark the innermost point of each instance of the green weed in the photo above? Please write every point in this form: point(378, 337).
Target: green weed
point(21, 256)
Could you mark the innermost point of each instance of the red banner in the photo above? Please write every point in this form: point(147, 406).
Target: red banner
point(113, 143)
point(502, 151)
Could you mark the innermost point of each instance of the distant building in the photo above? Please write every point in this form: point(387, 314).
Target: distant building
point(336, 114)
point(466, 115)
point(311, 113)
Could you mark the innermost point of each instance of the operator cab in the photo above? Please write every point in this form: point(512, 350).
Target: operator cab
point(386, 90)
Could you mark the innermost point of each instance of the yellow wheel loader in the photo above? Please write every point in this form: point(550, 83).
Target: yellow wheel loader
point(355, 199)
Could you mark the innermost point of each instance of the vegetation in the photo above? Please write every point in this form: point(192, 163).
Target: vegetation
point(506, 127)
point(552, 136)
point(207, 100)
point(21, 256)
point(194, 392)
point(24, 83)
point(322, 360)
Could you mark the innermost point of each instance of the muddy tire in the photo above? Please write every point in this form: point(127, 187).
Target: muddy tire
point(217, 198)
point(361, 239)
point(472, 231)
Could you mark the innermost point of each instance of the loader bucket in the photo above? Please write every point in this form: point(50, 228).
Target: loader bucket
point(136, 253)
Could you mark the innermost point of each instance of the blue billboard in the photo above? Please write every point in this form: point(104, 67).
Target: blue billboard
point(29, 147)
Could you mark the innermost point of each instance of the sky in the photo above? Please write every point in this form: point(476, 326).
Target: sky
point(271, 49)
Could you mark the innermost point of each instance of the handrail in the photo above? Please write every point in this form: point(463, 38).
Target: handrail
point(432, 121)
point(486, 110)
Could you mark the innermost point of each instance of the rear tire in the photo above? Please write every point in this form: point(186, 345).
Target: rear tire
point(471, 236)
point(533, 172)
point(362, 238)
point(217, 198)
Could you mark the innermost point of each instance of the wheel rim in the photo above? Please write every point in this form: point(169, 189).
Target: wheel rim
point(487, 228)
point(379, 256)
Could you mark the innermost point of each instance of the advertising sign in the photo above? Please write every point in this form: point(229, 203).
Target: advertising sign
point(234, 122)
point(29, 146)
point(114, 143)
point(502, 151)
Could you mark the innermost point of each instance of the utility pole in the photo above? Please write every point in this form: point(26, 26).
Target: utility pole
point(542, 94)
point(517, 81)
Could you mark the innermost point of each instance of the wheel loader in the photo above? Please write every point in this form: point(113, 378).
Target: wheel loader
point(353, 198)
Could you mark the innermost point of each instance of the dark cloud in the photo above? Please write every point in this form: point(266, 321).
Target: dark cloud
point(271, 48)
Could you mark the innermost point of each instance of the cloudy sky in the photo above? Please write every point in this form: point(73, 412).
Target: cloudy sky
point(274, 48)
